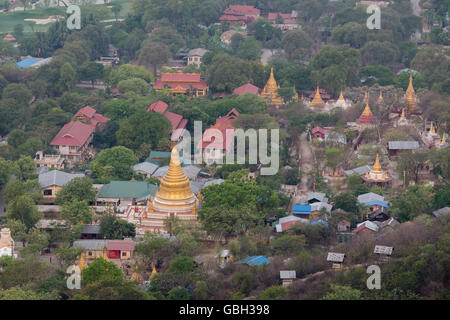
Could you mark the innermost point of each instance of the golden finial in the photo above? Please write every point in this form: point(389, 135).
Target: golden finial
point(410, 95)
point(82, 263)
point(341, 96)
point(317, 101)
point(377, 166)
point(380, 98)
point(105, 255)
point(153, 271)
point(403, 114)
point(443, 138)
point(136, 276)
point(432, 130)
point(366, 97)
point(367, 111)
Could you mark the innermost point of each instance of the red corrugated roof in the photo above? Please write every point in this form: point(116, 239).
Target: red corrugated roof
point(248, 87)
point(74, 133)
point(92, 114)
point(242, 10)
point(182, 77)
point(120, 245)
point(159, 84)
point(158, 106)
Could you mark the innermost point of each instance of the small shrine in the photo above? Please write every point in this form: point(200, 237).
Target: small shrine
point(377, 175)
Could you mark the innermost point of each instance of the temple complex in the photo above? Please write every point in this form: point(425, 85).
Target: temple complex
point(410, 95)
point(270, 91)
point(377, 175)
point(367, 119)
point(174, 198)
point(182, 83)
point(317, 101)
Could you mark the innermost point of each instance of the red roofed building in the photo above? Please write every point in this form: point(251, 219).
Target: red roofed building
point(72, 141)
point(247, 88)
point(182, 83)
point(176, 120)
point(120, 249)
point(9, 37)
point(290, 20)
point(217, 140)
point(319, 132)
point(89, 115)
point(240, 13)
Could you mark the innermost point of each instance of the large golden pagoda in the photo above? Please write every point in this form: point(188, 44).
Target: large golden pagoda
point(410, 94)
point(174, 198)
point(317, 101)
point(377, 174)
point(270, 91)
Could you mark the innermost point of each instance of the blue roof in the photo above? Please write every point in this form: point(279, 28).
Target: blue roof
point(301, 209)
point(321, 221)
point(26, 63)
point(377, 203)
point(254, 261)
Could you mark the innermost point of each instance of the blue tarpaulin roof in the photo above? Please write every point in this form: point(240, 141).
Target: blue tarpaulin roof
point(377, 203)
point(26, 63)
point(301, 209)
point(254, 261)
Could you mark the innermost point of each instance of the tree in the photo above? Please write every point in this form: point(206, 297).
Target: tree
point(22, 272)
point(179, 294)
point(115, 289)
point(181, 264)
point(153, 248)
point(263, 30)
point(297, 45)
point(402, 80)
point(19, 92)
point(379, 53)
point(135, 85)
point(414, 202)
point(6, 48)
point(143, 127)
point(116, 10)
point(351, 33)
point(5, 170)
point(77, 189)
point(381, 74)
point(408, 50)
point(334, 157)
point(274, 293)
point(18, 293)
point(116, 228)
point(67, 255)
point(101, 270)
point(346, 201)
point(13, 115)
point(154, 54)
point(343, 293)
point(432, 63)
point(68, 77)
point(411, 163)
point(76, 211)
point(249, 49)
point(24, 168)
point(114, 163)
point(91, 72)
point(16, 188)
point(129, 71)
point(22, 208)
point(288, 244)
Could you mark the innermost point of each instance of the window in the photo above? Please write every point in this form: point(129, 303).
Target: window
point(124, 254)
point(90, 253)
point(47, 192)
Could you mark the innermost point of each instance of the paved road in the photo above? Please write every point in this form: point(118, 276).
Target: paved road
point(306, 164)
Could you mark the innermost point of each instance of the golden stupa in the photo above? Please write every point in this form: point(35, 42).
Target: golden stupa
point(341, 96)
point(105, 255)
point(410, 94)
point(377, 174)
point(380, 98)
point(317, 101)
point(270, 91)
point(403, 117)
point(82, 263)
point(173, 198)
point(432, 130)
point(154, 272)
point(443, 139)
point(136, 276)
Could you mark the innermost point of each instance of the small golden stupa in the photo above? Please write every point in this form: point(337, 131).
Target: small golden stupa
point(317, 101)
point(173, 198)
point(82, 263)
point(377, 174)
point(270, 91)
point(403, 117)
point(105, 254)
point(410, 94)
point(136, 276)
point(432, 130)
point(341, 96)
point(154, 272)
point(380, 98)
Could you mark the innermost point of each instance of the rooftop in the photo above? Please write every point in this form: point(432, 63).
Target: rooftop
point(127, 190)
point(57, 178)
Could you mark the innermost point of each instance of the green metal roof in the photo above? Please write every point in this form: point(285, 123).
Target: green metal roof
point(127, 189)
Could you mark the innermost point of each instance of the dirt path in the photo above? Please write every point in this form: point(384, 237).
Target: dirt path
point(306, 163)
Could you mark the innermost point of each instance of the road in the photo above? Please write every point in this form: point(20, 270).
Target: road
point(415, 7)
point(306, 165)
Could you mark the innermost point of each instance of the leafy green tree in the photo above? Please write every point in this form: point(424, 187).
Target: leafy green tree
point(91, 72)
point(442, 197)
point(334, 157)
point(23, 272)
point(23, 208)
point(116, 228)
point(18, 293)
point(288, 244)
point(12, 115)
point(351, 33)
point(408, 50)
point(129, 71)
point(5, 170)
point(19, 92)
point(68, 77)
point(431, 62)
point(24, 168)
point(249, 49)
point(402, 80)
point(263, 30)
point(179, 294)
point(76, 211)
point(143, 127)
point(112, 289)
point(297, 45)
point(114, 163)
point(382, 74)
point(37, 240)
point(16, 188)
point(154, 54)
point(412, 203)
point(181, 264)
point(273, 293)
point(346, 201)
point(411, 163)
point(17, 137)
point(67, 255)
point(343, 293)
point(101, 270)
point(77, 189)
point(153, 248)
point(379, 53)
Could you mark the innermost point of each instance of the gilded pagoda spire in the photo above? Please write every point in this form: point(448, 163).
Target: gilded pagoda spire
point(82, 263)
point(341, 96)
point(153, 271)
point(432, 130)
point(443, 139)
point(377, 166)
point(366, 97)
point(317, 101)
point(270, 93)
point(136, 275)
point(105, 255)
point(403, 114)
point(380, 98)
point(410, 94)
point(367, 111)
